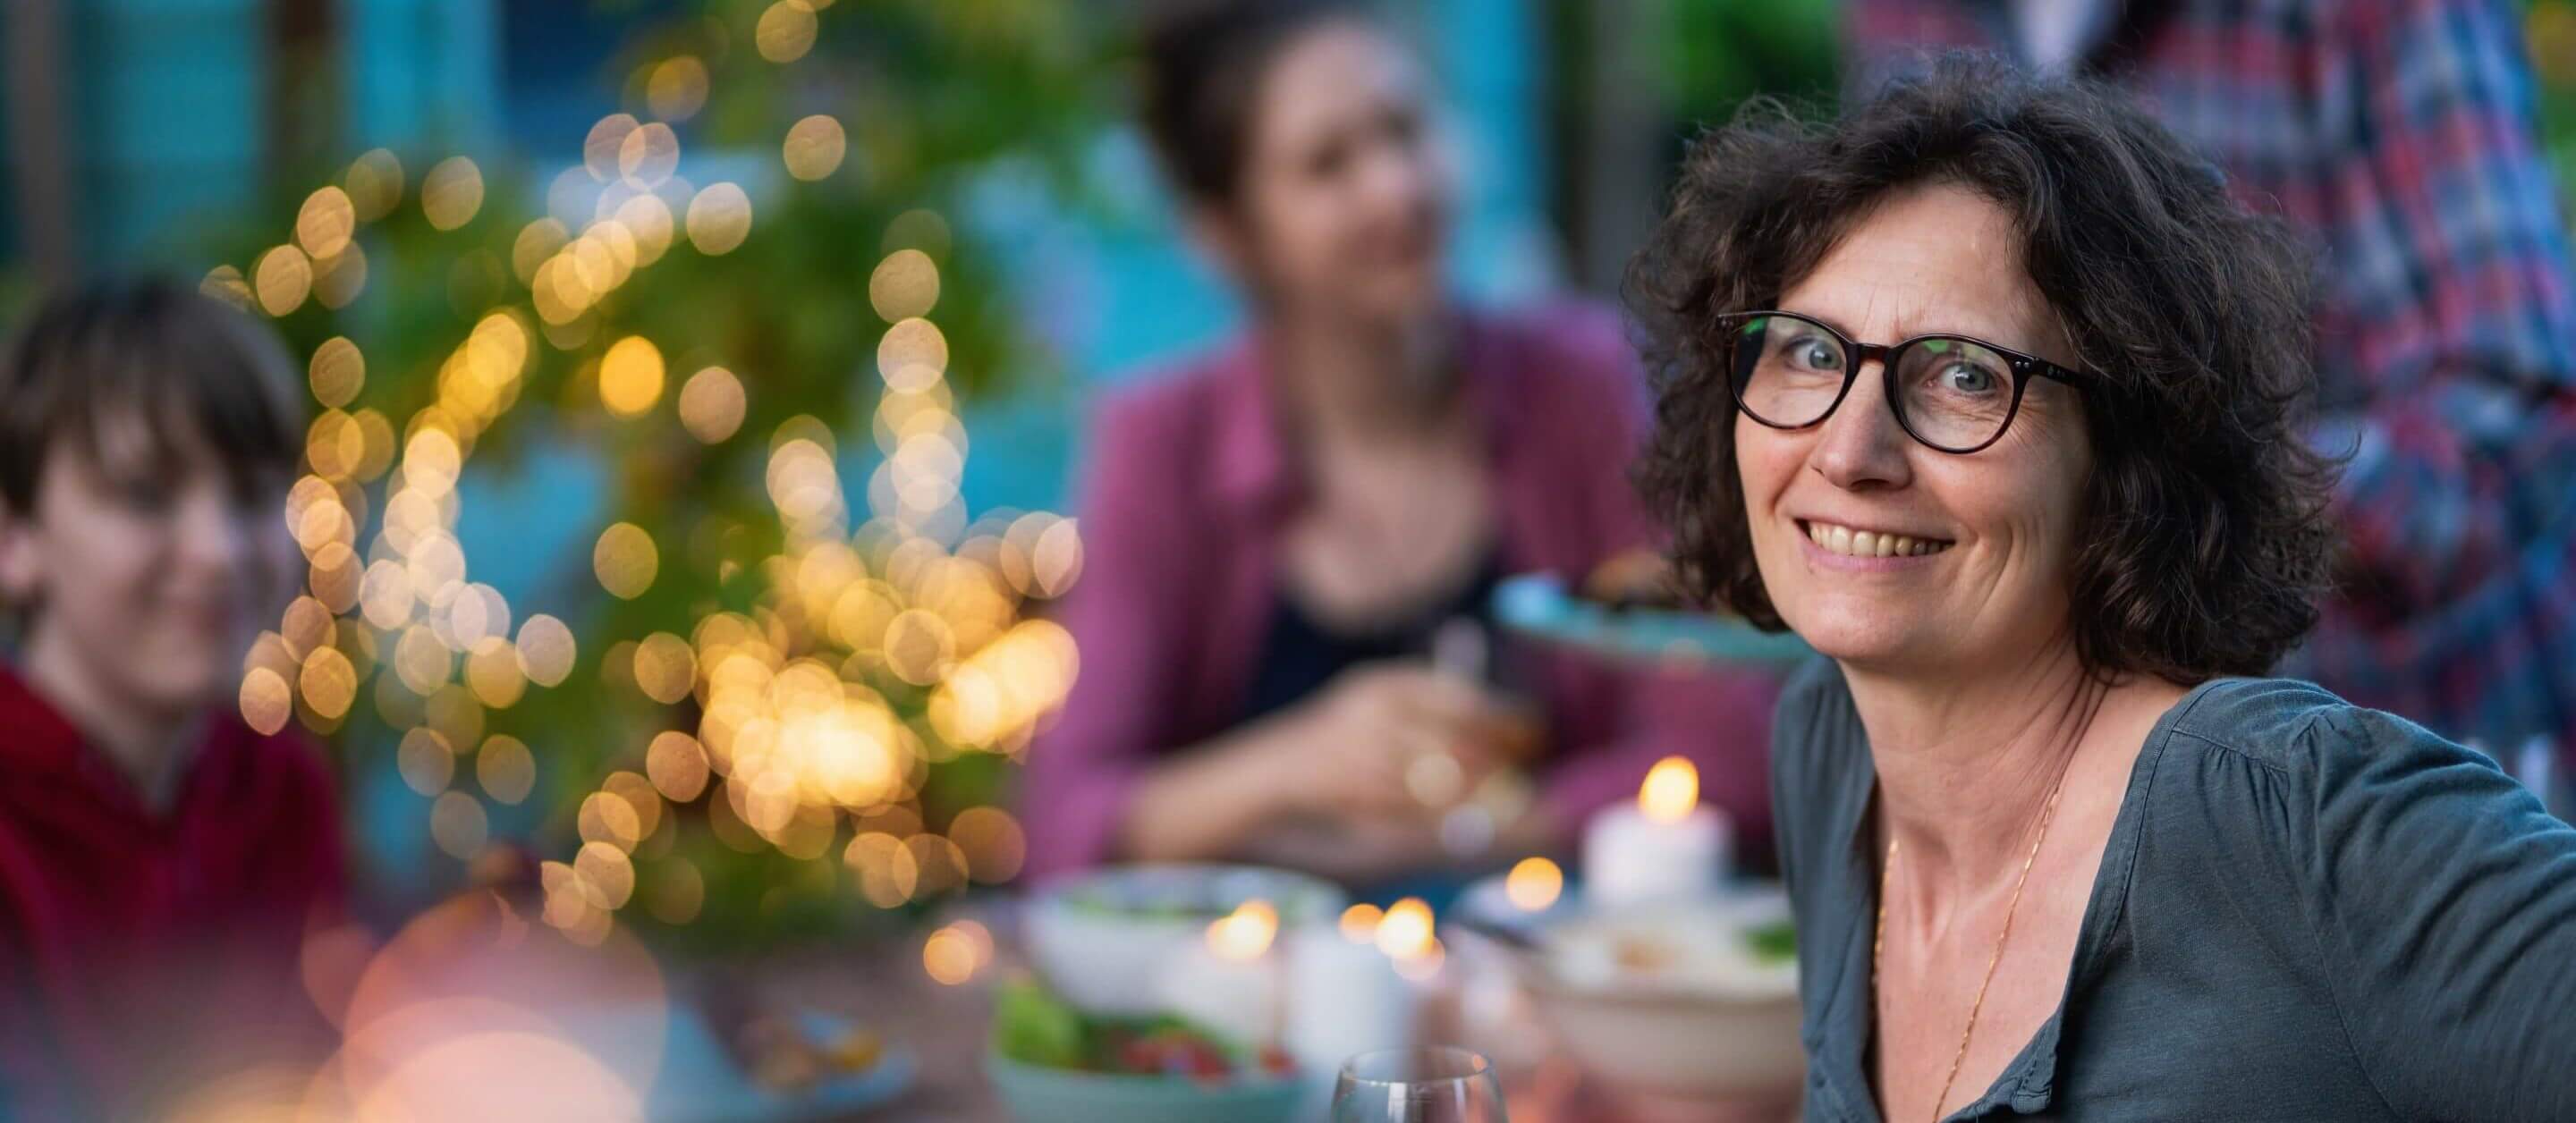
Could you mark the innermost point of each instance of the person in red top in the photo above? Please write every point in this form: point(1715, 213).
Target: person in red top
point(160, 860)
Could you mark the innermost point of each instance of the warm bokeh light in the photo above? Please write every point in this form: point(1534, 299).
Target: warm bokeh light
point(719, 219)
point(1406, 930)
point(665, 667)
point(338, 371)
point(282, 279)
point(266, 701)
point(492, 673)
point(325, 222)
point(599, 149)
point(647, 219)
point(648, 155)
point(951, 957)
point(546, 650)
point(625, 562)
point(451, 193)
point(1056, 563)
point(786, 31)
point(712, 405)
point(912, 355)
point(1671, 790)
point(814, 147)
point(329, 682)
point(630, 376)
point(607, 820)
point(904, 286)
point(375, 184)
point(459, 825)
point(607, 876)
point(1359, 923)
point(677, 88)
point(993, 842)
point(1245, 933)
point(425, 760)
point(885, 869)
point(677, 766)
point(505, 768)
point(1423, 966)
point(537, 241)
point(1534, 884)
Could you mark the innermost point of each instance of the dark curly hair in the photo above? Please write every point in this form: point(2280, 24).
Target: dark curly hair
point(2204, 537)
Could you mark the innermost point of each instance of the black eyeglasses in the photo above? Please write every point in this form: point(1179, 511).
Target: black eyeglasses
point(1950, 392)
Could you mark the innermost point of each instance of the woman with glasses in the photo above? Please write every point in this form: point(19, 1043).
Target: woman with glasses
point(1990, 393)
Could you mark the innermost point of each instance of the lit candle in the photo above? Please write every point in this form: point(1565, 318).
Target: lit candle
point(1236, 981)
point(1664, 846)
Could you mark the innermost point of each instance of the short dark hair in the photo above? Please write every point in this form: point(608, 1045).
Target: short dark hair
point(2205, 536)
point(1205, 62)
point(156, 349)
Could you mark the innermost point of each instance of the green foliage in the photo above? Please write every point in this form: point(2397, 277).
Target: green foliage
point(935, 96)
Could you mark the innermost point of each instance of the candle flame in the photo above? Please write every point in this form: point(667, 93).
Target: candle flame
point(1359, 923)
point(1671, 790)
point(1245, 933)
point(1534, 884)
point(1406, 930)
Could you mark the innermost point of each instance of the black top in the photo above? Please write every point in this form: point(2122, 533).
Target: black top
point(2306, 910)
point(1299, 654)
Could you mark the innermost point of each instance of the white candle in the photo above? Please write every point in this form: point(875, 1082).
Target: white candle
point(1663, 846)
point(1232, 981)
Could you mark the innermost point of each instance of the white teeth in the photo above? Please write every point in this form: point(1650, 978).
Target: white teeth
point(1869, 543)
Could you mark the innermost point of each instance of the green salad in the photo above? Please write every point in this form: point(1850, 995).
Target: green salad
point(1033, 1026)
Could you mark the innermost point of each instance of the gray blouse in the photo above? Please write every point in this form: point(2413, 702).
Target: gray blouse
point(2306, 910)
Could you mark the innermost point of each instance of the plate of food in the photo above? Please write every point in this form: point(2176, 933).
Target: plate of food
point(1053, 1063)
point(1694, 999)
point(1626, 609)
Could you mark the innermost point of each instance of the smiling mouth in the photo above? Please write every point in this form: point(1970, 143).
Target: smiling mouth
point(1837, 539)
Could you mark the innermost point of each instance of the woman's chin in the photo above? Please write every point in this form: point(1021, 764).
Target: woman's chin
point(1858, 642)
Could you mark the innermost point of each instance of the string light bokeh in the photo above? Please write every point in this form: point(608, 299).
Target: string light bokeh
point(860, 635)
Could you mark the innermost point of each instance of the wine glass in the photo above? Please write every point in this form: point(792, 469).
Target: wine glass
point(1423, 1085)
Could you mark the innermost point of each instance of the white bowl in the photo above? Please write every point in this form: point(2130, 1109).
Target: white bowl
point(1104, 939)
point(1710, 1025)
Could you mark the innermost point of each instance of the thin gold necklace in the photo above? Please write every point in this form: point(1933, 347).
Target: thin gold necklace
point(1878, 939)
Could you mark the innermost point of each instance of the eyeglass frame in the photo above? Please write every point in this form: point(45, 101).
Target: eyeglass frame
point(1856, 353)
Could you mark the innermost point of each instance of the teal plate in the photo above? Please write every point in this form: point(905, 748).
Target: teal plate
point(1537, 605)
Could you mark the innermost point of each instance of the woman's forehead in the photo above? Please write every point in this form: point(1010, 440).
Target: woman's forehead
point(1929, 259)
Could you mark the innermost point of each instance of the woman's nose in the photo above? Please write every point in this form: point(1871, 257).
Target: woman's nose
point(1861, 447)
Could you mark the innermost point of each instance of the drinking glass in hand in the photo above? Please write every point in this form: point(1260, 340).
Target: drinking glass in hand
point(1426, 1085)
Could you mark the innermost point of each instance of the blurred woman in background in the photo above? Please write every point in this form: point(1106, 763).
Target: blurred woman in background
point(1275, 532)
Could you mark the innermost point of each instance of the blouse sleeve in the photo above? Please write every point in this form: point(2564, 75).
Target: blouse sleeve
point(2444, 898)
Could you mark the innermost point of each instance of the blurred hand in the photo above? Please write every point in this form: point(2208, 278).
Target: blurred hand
point(1393, 741)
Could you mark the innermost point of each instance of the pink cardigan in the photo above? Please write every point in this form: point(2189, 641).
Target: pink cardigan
point(1189, 483)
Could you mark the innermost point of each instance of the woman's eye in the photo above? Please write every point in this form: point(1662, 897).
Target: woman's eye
point(1968, 378)
point(1816, 354)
